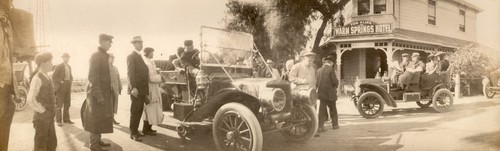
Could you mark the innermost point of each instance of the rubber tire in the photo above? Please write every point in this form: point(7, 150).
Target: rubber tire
point(23, 95)
point(363, 98)
point(311, 112)
point(434, 100)
point(485, 88)
point(248, 116)
point(424, 105)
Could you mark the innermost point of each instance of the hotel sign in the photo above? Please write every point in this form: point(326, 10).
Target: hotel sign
point(362, 28)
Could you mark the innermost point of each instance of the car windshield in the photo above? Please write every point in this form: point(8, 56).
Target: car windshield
point(226, 57)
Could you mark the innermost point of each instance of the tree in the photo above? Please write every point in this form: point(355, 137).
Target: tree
point(469, 61)
point(285, 21)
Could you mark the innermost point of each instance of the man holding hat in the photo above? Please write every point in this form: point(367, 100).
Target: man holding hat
point(97, 110)
point(304, 72)
point(62, 80)
point(327, 93)
point(412, 72)
point(138, 75)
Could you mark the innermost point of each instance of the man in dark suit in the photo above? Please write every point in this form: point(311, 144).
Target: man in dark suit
point(62, 79)
point(138, 75)
point(327, 93)
point(97, 110)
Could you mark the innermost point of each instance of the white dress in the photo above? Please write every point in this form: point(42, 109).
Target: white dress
point(153, 112)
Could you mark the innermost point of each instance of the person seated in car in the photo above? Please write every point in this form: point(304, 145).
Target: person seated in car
point(429, 77)
point(398, 68)
point(412, 72)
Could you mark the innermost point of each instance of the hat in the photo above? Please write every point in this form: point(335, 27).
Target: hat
point(65, 55)
point(415, 54)
point(307, 53)
point(188, 43)
point(104, 37)
point(136, 39)
point(438, 53)
point(405, 55)
point(329, 57)
point(269, 61)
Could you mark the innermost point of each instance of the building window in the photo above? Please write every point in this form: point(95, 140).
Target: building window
point(363, 7)
point(461, 26)
point(380, 6)
point(431, 7)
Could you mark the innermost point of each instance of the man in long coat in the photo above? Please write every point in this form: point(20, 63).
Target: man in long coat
point(62, 79)
point(327, 93)
point(97, 112)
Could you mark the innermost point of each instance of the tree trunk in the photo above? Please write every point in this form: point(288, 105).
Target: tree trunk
point(320, 34)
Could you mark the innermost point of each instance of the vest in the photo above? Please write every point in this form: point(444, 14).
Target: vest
point(45, 97)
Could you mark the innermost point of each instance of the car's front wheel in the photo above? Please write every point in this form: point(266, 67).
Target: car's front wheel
point(487, 92)
point(304, 124)
point(236, 128)
point(370, 105)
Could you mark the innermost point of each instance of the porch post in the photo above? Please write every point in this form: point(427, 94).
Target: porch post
point(338, 63)
point(388, 54)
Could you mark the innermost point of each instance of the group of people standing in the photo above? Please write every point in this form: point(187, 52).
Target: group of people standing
point(102, 95)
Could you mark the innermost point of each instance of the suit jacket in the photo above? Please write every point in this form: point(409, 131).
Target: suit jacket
point(138, 73)
point(327, 83)
point(59, 75)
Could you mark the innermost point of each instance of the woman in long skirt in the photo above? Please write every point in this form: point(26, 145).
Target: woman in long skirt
point(153, 112)
point(116, 85)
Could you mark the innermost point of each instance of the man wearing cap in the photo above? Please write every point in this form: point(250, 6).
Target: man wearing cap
point(399, 68)
point(138, 75)
point(327, 93)
point(189, 58)
point(304, 72)
point(62, 80)
point(97, 110)
point(412, 72)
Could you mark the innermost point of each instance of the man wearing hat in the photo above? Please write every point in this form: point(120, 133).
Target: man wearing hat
point(189, 58)
point(138, 75)
point(97, 110)
point(327, 93)
point(275, 74)
point(412, 72)
point(304, 72)
point(62, 80)
point(398, 68)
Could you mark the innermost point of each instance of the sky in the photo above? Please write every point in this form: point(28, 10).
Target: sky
point(73, 26)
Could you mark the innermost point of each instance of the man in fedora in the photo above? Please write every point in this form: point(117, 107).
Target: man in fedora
point(62, 80)
point(327, 93)
point(304, 72)
point(138, 75)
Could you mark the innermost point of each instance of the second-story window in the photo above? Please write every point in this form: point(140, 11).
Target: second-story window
point(431, 7)
point(380, 6)
point(363, 7)
point(461, 26)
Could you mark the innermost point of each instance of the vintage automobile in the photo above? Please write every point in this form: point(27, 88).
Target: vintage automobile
point(238, 108)
point(491, 84)
point(22, 85)
point(371, 95)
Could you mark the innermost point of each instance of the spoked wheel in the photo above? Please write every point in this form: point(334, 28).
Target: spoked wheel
point(442, 100)
point(487, 92)
point(304, 123)
point(370, 105)
point(424, 104)
point(236, 128)
point(21, 102)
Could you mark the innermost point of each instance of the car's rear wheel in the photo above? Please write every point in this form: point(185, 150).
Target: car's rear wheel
point(424, 104)
point(21, 102)
point(487, 92)
point(442, 100)
point(370, 105)
point(236, 128)
point(304, 122)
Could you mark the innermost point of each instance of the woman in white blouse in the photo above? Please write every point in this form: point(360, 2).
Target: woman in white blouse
point(153, 112)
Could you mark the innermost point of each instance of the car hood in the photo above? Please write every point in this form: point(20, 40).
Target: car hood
point(253, 86)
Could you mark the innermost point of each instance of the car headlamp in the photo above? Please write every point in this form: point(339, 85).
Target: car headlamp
point(274, 99)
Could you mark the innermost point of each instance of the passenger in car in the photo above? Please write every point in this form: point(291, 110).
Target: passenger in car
point(412, 72)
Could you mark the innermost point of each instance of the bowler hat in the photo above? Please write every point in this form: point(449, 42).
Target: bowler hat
point(104, 37)
point(307, 53)
point(65, 55)
point(136, 39)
